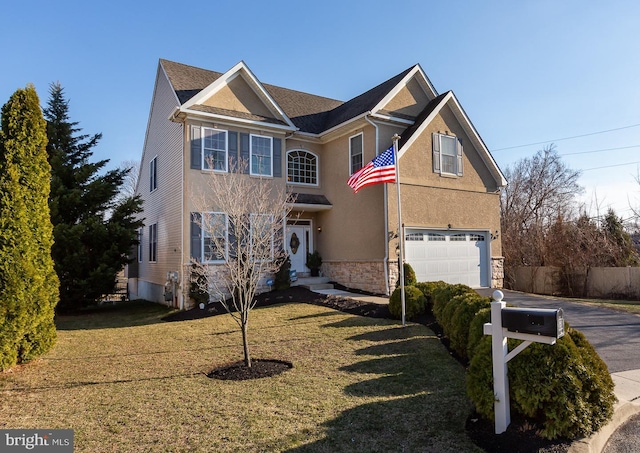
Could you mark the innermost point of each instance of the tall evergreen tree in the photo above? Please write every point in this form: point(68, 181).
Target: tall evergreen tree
point(28, 282)
point(94, 233)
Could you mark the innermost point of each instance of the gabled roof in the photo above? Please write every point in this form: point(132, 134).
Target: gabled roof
point(307, 112)
point(430, 112)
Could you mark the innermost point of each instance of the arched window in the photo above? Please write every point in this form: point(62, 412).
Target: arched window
point(302, 167)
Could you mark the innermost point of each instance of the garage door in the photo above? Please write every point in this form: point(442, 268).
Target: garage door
point(451, 256)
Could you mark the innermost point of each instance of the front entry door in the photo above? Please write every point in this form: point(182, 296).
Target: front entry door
point(297, 246)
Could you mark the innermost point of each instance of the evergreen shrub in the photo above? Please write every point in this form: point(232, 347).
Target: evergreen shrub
point(415, 303)
point(467, 305)
point(409, 276)
point(428, 289)
point(565, 389)
point(442, 294)
point(283, 276)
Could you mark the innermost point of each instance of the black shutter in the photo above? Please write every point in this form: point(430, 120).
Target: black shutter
point(277, 158)
point(244, 152)
point(233, 152)
point(196, 236)
point(196, 148)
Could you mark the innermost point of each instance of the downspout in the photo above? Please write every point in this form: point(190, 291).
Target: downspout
point(386, 215)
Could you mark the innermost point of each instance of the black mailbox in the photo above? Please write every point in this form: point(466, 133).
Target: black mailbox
point(541, 321)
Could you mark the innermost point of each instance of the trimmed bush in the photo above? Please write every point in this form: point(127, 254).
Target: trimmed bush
point(476, 330)
point(428, 289)
point(283, 276)
point(415, 303)
point(442, 294)
point(466, 306)
point(564, 388)
point(409, 276)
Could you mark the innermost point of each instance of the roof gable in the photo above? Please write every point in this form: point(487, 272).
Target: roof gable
point(238, 94)
point(408, 97)
point(430, 112)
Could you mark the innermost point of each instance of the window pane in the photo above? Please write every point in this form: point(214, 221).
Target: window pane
point(214, 236)
point(214, 149)
point(260, 155)
point(448, 154)
point(302, 167)
point(355, 149)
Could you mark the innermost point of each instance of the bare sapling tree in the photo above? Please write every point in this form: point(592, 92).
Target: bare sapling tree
point(242, 220)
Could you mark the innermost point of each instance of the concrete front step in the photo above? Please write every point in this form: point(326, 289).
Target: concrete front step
point(313, 283)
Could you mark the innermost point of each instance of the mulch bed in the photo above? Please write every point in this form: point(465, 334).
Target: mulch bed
point(520, 437)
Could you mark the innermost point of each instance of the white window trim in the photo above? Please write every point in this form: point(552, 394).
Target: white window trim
point(205, 232)
point(204, 163)
point(351, 170)
point(317, 168)
point(455, 155)
point(153, 174)
point(251, 172)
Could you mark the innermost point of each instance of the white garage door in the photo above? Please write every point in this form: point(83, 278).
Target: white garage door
point(451, 256)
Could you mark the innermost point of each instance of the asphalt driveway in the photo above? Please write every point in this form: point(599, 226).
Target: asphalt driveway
point(615, 335)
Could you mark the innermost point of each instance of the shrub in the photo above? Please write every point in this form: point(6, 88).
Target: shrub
point(414, 303)
point(442, 294)
point(466, 307)
point(409, 276)
point(428, 289)
point(283, 277)
point(565, 388)
point(197, 285)
point(476, 330)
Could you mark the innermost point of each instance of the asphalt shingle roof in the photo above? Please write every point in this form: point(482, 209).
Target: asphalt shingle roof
point(308, 112)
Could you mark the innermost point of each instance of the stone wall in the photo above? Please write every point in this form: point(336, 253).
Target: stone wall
point(364, 275)
point(497, 271)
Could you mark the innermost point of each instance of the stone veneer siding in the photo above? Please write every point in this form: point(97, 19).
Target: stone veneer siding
point(363, 275)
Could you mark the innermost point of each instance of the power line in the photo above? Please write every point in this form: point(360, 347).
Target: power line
point(568, 138)
point(610, 166)
point(599, 150)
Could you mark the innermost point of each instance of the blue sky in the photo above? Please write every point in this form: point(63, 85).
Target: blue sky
point(526, 72)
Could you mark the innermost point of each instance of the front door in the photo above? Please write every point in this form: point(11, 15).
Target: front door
point(298, 246)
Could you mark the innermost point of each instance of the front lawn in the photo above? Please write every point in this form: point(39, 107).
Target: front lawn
point(126, 381)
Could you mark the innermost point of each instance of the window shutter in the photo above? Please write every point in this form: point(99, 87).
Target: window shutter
point(244, 152)
point(459, 152)
point(233, 151)
point(436, 152)
point(196, 148)
point(196, 236)
point(277, 158)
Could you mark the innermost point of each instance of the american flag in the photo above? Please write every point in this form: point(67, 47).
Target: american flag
point(380, 170)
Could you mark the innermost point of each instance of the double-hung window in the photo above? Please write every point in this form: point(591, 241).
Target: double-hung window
point(215, 238)
point(261, 155)
point(447, 154)
point(153, 174)
point(214, 149)
point(302, 167)
point(355, 153)
point(153, 243)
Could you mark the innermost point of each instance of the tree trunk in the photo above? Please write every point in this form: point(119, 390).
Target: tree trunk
point(245, 340)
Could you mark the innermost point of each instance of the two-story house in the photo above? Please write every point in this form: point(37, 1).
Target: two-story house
point(202, 120)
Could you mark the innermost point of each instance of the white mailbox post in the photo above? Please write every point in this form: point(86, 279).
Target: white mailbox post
point(530, 325)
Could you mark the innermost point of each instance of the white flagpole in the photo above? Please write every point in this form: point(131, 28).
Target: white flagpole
point(395, 139)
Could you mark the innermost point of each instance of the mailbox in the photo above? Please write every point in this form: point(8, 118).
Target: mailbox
point(541, 321)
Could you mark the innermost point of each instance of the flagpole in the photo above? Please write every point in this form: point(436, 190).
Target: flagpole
point(395, 139)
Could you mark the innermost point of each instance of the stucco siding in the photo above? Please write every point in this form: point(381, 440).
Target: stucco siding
point(163, 205)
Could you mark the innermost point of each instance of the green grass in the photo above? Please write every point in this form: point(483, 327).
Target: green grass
point(620, 305)
point(127, 382)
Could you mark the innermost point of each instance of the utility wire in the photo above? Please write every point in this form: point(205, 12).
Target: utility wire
point(610, 166)
point(598, 150)
point(568, 138)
